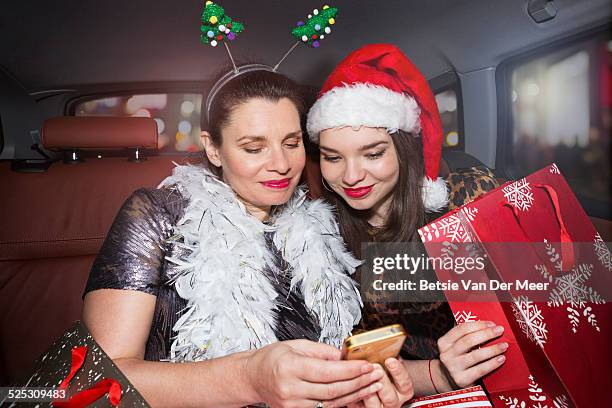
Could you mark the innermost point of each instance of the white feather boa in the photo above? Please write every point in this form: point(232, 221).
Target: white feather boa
point(231, 304)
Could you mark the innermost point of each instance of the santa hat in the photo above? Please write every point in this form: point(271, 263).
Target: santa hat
point(378, 86)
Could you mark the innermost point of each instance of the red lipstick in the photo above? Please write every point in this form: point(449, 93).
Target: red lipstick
point(358, 192)
point(277, 184)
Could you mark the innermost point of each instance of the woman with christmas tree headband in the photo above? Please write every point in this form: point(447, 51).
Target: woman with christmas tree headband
point(383, 181)
point(201, 284)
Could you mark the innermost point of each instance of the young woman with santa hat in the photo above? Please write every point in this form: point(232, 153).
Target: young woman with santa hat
point(380, 138)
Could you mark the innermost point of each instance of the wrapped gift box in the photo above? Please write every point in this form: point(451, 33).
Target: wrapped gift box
point(535, 230)
point(76, 362)
point(467, 397)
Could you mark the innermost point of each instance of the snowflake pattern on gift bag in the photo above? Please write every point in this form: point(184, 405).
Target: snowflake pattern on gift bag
point(519, 194)
point(464, 316)
point(602, 252)
point(537, 398)
point(554, 169)
point(451, 228)
point(571, 290)
point(530, 320)
point(554, 259)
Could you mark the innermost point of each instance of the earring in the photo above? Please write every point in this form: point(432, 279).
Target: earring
point(325, 186)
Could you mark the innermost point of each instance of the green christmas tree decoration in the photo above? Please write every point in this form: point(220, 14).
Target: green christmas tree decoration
point(316, 27)
point(216, 26)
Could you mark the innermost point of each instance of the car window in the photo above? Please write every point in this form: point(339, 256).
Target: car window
point(177, 116)
point(560, 112)
point(447, 106)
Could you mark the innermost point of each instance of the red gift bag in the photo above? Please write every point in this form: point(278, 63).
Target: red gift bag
point(547, 277)
point(82, 375)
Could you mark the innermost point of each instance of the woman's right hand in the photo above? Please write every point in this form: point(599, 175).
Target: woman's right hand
point(461, 356)
point(301, 373)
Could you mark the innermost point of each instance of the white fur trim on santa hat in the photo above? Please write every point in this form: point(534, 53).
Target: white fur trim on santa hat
point(435, 194)
point(363, 105)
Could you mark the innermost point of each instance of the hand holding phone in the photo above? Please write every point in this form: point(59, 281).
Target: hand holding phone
point(375, 345)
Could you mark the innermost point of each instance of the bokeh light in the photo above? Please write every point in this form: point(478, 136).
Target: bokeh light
point(152, 101)
point(142, 113)
point(110, 102)
point(187, 108)
point(184, 127)
point(161, 125)
point(532, 89)
point(452, 139)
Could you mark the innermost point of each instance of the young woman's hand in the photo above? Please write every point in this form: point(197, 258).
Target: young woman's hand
point(396, 390)
point(302, 373)
point(462, 359)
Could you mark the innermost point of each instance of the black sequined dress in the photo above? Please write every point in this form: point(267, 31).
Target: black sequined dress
point(133, 258)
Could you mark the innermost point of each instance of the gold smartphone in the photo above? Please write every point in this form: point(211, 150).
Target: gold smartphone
point(375, 345)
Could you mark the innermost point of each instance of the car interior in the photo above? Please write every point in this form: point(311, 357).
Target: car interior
point(98, 99)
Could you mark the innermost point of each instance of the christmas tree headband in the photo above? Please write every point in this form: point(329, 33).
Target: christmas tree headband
point(217, 27)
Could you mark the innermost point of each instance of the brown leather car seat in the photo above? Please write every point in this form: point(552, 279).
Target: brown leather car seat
point(53, 224)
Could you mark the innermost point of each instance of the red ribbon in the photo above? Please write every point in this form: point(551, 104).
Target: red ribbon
point(91, 394)
point(567, 245)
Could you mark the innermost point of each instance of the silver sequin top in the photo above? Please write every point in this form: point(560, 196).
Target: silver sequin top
point(133, 258)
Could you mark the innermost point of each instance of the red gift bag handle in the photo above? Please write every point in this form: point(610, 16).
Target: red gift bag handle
point(567, 245)
point(91, 394)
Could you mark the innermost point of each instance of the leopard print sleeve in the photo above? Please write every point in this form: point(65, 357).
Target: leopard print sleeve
point(467, 185)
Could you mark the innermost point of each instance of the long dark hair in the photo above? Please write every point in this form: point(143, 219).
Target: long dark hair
point(266, 85)
point(406, 211)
